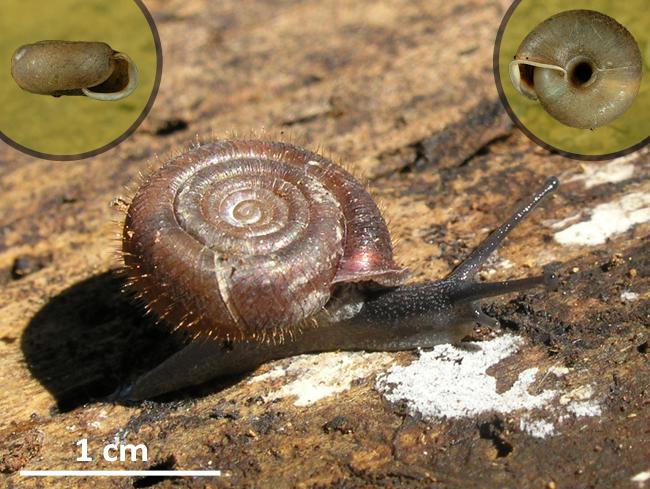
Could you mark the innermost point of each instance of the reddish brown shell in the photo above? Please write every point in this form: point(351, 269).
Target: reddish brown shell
point(243, 240)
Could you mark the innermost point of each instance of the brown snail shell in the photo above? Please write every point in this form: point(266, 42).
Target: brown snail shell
point(242, 243)
point(253, 234)
point(58, 68)
point(583, 67)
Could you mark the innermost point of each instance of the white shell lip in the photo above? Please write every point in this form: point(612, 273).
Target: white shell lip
point(126, 91)
point(515, 75)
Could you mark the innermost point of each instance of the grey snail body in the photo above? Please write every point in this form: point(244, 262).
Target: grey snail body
point(59, 68)
point(247, 294)
point(582, 66)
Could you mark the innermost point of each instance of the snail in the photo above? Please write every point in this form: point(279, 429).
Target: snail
point(59, 68)
point(583, 67)
point(262, 250)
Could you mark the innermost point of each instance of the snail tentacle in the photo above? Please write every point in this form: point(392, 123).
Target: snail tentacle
point(359, 314)
point(470, 266)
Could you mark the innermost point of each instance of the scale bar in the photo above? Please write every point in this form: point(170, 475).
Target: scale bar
point(120, 473)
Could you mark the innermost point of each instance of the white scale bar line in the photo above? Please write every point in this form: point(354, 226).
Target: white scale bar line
point(120, 473)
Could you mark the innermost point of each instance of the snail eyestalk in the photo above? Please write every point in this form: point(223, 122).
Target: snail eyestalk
point(483, 290)
point(465, 290)
point(468, 268)
point(306, 265)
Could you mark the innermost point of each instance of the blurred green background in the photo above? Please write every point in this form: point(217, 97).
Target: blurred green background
point(626, 131)
point(72, 125)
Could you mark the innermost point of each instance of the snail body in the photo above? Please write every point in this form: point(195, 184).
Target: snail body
point(59, 68)
point(582, 66)
point(262, 250)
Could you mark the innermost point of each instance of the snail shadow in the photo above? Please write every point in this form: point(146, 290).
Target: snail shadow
point(90, 339)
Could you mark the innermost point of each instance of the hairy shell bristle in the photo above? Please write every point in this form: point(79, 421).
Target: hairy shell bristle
point(157, 293)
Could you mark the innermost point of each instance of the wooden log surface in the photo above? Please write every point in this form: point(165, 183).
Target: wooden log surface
point(402, 92)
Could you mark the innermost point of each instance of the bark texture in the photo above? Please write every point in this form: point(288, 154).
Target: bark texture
point(403, 93)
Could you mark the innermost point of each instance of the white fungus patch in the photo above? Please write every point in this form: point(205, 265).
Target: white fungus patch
point(452, 382)
point(641, 478)
point(316, 377)
point(446, 382)
point(274, 373)
point(537, 428)
point(617, 170)
point(558, 371)
point(607, 220)
point(628, 296)
point(582, 393)
point(584, 408)
point(564, 222)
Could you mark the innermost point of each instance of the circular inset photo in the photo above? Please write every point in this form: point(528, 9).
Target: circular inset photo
point(79, 77)
point(574, 75)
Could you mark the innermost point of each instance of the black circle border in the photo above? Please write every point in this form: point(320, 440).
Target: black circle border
point(131, 129)
point(524, 129)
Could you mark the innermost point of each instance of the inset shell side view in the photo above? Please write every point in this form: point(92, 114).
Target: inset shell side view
point(582, 66)
point(261, 250)
point(59, 68)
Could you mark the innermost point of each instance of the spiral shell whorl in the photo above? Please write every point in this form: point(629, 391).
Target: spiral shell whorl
point(242, 240)
point(583, 67)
